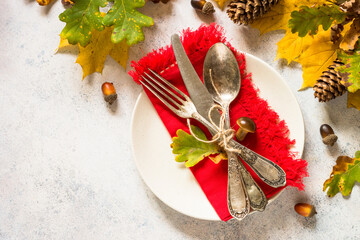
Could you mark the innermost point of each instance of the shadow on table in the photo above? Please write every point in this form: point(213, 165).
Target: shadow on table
point(272, 222)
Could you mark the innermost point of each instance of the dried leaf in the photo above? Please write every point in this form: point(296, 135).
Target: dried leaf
point(279, 15)
point(127, 21)
point(351, 37)
point(307, 20)
point(343, 176)
point(93, 56)
point(191, 151)
point(353, 100)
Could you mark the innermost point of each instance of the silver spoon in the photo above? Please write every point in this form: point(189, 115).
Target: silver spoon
point(222, 79)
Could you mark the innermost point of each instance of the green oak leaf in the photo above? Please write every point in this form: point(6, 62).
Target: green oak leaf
point(190, 150)
point(127, 21)
point(81, 19)
point(344, 175)
point(350, 72)
point(309, 19)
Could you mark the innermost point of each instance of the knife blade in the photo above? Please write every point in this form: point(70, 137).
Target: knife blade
point(198, 93)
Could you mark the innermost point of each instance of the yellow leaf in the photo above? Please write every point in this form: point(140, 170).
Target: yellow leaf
point(291, 46)
point(354, 100)
point(216, 159)
point(278, 16)
point(317, 57)
point(93, 56)
point(44, 2)
point(221, 3)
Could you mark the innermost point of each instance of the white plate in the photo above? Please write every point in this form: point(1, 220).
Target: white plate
point(170, 181)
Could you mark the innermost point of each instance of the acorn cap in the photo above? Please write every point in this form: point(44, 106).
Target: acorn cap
point(330, 139)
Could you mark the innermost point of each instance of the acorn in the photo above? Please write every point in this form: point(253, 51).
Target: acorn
point(246, 125)
point(109, 92)
point(328, 135)
point(203, 6)
point(305, 209)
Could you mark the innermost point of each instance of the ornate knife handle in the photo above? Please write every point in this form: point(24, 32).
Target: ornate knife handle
point(269, 172)
point(237, 197)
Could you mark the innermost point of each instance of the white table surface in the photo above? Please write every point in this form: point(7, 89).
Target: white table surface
point(66, 167)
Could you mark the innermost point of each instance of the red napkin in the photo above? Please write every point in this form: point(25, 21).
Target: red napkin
point(271, 137)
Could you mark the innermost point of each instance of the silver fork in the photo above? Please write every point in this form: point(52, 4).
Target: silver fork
point(237, 198)
point(268, 171)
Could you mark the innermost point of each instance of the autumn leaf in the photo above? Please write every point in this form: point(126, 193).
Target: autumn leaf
point(81, 19)
point(307, 20)
point(127, 21)
point(353, 100)
point(191, 151)
point(343, 176)
point(280, 14)
point(93, 56)
point(291, 46)
point(351, 36)
point(221, 3)
point(350, 71)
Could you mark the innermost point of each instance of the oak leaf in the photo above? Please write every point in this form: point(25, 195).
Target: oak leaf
point(343, 176)
point(81, 19)
point(127, 21)
point(350, 71)
point(93, 56)
point(280, 14)
point(353, 100)
point(44, 2)
point(307, 20)
point(191, 151)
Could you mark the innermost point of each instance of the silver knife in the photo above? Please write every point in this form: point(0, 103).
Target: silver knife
point(268, 171)
point(237, 198)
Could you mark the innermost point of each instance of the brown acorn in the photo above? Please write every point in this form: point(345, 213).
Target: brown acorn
point(109, 92)
point(305, 209)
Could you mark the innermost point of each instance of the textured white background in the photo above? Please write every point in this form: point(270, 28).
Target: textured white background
point(66, 167)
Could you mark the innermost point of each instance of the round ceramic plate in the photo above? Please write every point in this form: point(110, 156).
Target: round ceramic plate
point(172, 182)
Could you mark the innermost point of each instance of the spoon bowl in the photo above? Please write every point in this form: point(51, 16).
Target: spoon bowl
point(222, 75)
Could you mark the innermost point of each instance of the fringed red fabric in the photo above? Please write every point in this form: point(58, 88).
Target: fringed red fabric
point(270, 140)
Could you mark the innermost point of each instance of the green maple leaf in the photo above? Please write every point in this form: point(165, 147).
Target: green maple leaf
point(81, 19)
point(191, 151)
point(344, 175)
point(127, 21)
point(309, 19)
point(350, 72)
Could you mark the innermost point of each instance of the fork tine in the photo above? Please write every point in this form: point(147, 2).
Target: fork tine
point(169, 84)
point(159, 97)
point(161, 91)
point(165, 88)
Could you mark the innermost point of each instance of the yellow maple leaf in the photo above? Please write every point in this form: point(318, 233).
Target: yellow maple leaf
point(221, 3)
point(278, 16)
point(291, 46)
point(317, 57)
point(92, 57)
point(354, 100)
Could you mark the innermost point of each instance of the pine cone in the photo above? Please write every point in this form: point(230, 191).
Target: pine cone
point(246, 11)
point(329, 85)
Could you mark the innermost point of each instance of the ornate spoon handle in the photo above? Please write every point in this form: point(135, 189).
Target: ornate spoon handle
point(268, 171)
point(237, 198)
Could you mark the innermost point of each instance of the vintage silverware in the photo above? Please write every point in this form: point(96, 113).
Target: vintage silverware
point(223, 81)
point(268, 171)
point(237, 198)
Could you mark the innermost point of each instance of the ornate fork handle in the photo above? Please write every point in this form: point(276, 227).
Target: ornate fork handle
point(271, 173)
